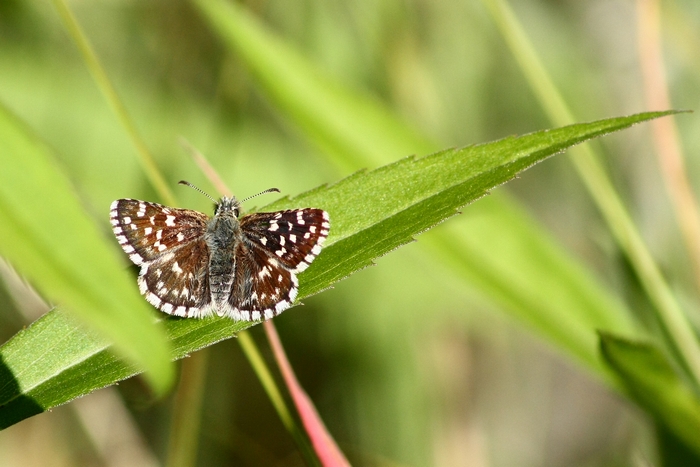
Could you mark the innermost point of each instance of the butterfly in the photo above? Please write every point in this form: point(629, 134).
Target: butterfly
point(193, 265)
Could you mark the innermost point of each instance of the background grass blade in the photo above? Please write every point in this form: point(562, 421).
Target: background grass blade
point(49, 238)
point(372, 213)
point(682, 340)
point(356, 130)
point(651, 380)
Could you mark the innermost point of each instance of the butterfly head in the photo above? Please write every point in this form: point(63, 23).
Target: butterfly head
point(227, 207)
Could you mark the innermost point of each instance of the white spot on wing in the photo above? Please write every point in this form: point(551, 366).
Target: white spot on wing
point(136, 258)
point(153, 299)
point(143, 287)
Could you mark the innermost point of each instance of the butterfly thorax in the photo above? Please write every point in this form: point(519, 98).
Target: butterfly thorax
point(222, 235)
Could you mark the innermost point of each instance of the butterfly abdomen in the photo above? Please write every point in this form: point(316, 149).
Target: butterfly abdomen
point(223, 232)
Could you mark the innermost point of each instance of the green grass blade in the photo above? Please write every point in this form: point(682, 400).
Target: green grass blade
point(49, 238)
point(372, 213)
point(314, 101)
point(350, 128)
point(353, 129)
point(651, 379)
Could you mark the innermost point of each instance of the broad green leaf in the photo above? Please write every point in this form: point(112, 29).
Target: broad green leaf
point(651, 379)
point(49, 238)
point(493, 242)
point(372, 213)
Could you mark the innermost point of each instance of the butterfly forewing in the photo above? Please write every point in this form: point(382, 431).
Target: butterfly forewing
point(146, 231)
point(294, 237)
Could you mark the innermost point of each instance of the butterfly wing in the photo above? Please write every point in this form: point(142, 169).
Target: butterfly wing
point(295, 237)
point(168, 244)
point(262, 287)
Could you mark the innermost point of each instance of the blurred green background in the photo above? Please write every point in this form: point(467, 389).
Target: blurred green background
point(406, 363)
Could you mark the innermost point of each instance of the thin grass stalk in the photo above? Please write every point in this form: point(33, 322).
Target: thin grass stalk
point(668, 311)
point(665, 132)
point(324, 445)
point(103, 82)
point(252, 353)
point(248, 345)
point(183, 440)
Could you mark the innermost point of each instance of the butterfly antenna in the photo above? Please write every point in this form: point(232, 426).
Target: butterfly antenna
point(183, 182)
point(269, 190)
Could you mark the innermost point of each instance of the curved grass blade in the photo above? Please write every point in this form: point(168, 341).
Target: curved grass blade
point(372, 213)
point(681, 338)
point(49, 238)
point(355, 130)
point(651, 379)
